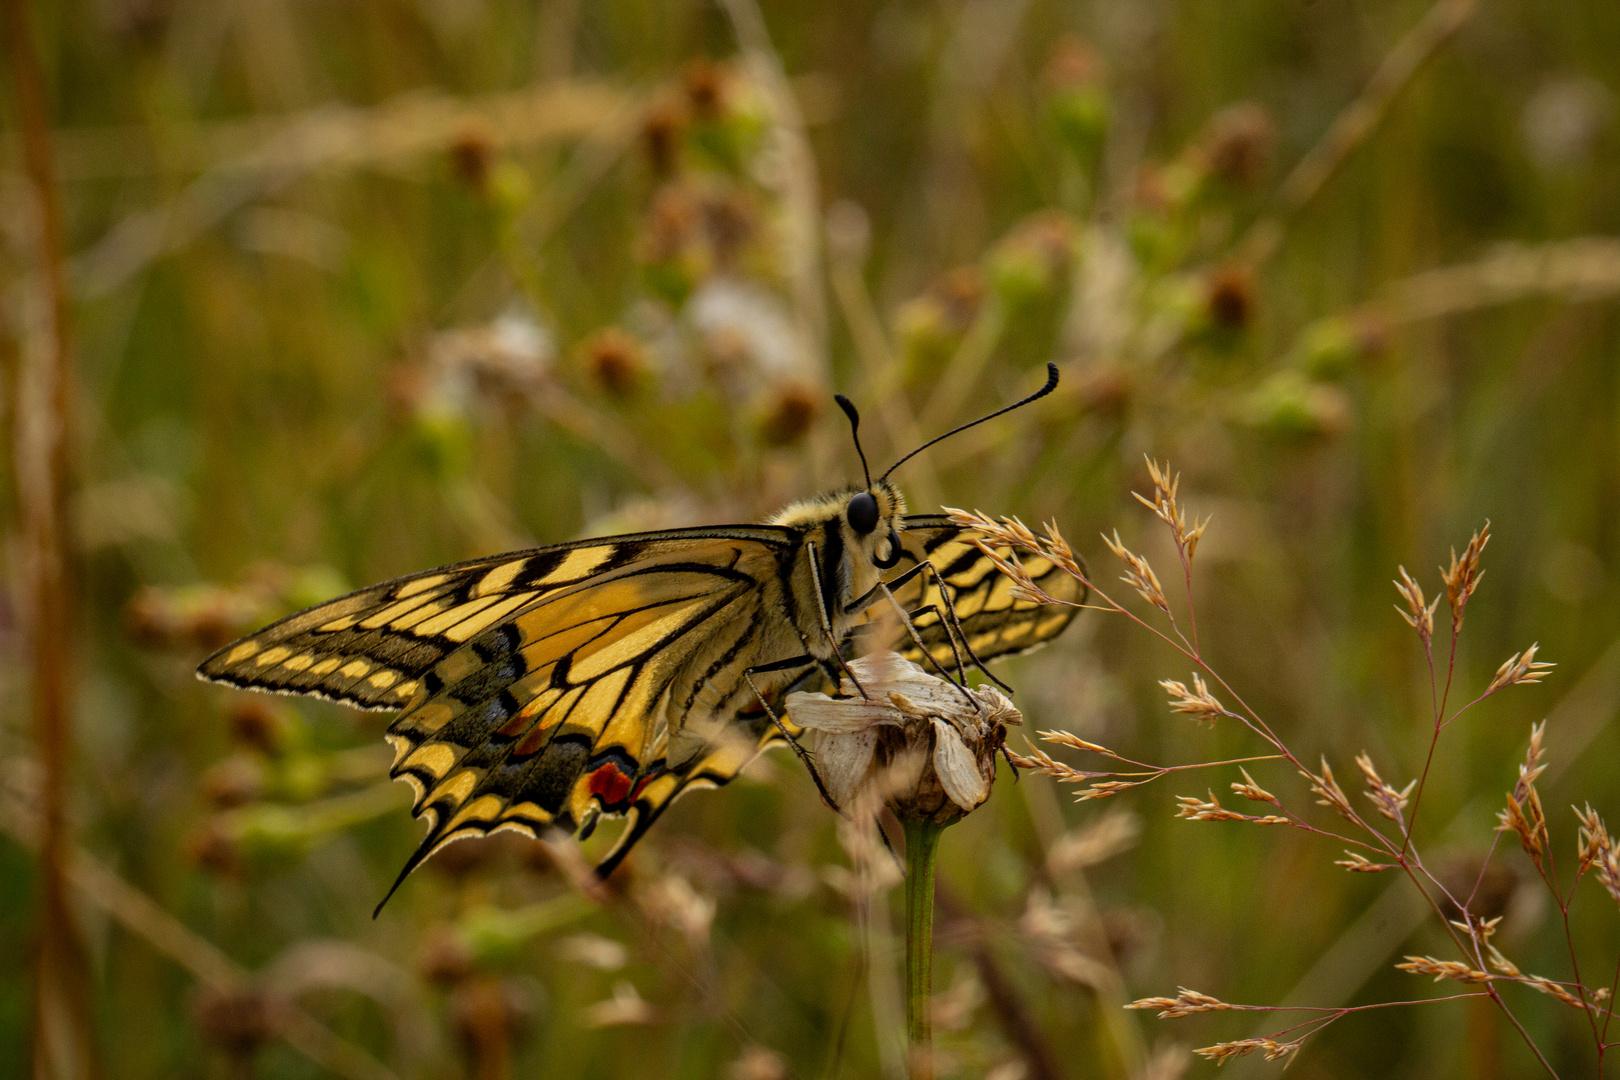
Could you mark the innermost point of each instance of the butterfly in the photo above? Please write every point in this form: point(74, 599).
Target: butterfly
point(546, 689)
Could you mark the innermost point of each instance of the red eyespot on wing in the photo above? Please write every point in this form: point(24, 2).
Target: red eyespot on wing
point(609, 784)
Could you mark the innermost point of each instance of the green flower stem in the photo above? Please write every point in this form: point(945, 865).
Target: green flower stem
point(922, 846)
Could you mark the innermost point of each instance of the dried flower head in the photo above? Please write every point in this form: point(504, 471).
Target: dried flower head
point(614, 362)
point(236, 1019)
point(1519, 668)
point(926, 745)
point(1138, 574)
point(1237, 143)
point(1464, 575)
point(472, 155)
point(1419, 616)
point(790, 408)
point(1197, 702)
point(1230, 297)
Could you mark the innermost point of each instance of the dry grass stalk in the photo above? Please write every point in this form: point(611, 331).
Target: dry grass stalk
point(1523, 816)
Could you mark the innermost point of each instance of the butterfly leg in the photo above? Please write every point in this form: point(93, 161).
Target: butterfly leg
point(871, 596)
point(826, 623)
point(917, 640)
point(931, 609)
point(954, 629)
point(803, 754)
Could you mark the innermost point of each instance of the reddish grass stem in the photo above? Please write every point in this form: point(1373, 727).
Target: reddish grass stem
point(63, 1040)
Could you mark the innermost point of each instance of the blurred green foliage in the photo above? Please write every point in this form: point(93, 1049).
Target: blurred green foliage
point(366, 288)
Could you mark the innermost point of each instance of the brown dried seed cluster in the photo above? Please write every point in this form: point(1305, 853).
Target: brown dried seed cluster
point(1244, 1047)
point(1197, 703)
point(1519, 668)
point(1185, 1003)
point(1390, 802)
point(1464, 574)
point(1163, 504)
point(1138, 573)
point(1360, 864)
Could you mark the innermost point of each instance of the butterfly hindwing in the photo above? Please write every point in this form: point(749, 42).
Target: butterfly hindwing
point(589, 694)
point(993, 621)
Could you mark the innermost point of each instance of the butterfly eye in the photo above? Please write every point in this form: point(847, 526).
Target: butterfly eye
point(862, 513)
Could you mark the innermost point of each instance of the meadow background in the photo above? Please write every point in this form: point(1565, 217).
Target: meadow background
point(362, 288)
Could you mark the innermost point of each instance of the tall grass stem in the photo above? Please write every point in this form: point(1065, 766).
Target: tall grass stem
point(922, 848)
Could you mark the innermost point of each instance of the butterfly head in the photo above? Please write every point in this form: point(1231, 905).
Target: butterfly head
point(872, 518)
point(872, 521)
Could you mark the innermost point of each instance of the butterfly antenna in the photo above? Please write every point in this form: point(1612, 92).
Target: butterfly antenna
point(1051, 384)
point(855, 432)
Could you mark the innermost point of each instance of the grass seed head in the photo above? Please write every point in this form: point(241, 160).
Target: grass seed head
point(1138, 574)
point(1519, 668)
point(1390, 802)
point(1163, 504)
point(1419, 616)
point(1185, 1003)
point(1272, 1049)
point(1253, 791)
point(1197, 703)
point(1328, 792)
point(1357, 863)
point(1443, 969)
point(1464, 575)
